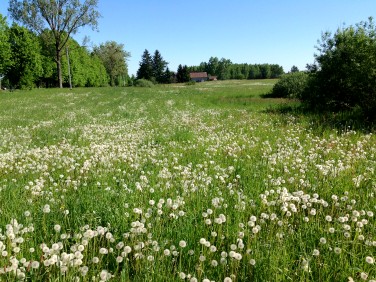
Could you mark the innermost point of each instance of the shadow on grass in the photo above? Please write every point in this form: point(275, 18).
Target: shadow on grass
point(321, 121)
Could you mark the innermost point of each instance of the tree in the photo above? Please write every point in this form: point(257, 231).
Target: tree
point(114, 58)
point(5, 50)
point(265, 71)
point(254, 72)
point(182, 74)
point(63, 17)
point(146, 66)
point(345, 76)
point(159, 66)
point(294, 69)
point(212, 66)
point(223, 69)
point(168, 76)
point(27, 61)
point(276, 71)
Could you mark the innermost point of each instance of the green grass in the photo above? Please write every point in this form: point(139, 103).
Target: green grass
point(178, 183)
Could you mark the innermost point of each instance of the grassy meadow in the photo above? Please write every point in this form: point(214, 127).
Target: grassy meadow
point(206, 182)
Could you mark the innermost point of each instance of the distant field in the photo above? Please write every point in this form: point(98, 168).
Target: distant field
point(206, 182)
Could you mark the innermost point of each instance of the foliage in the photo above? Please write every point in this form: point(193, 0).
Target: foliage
point(143, 83)
point(27, 61)
point(5, 49)
point(290, 85)
point(159, 67)
point(63, 18)
point(191, 82)
point(346, 71)
point(182, 74)
point(225, 69)
point(145, 70)
point(294, 69)
point(114, 58)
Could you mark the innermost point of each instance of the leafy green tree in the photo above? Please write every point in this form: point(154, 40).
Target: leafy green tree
point(254, 72)
point(63, 18)
point(223, 69)
point(27, 61)
point(114, 58)
point(346, 70)
point(265, 71)
point(294, 69)
point(145, 70)
point(159, 67)
point(276, 71)
point(212, 66)
point(97, 75)
point(5, 48)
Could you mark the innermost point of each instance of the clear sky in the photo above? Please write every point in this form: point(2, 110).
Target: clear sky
point(280, 32)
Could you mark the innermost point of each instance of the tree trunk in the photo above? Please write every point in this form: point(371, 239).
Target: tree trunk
point(58, 66)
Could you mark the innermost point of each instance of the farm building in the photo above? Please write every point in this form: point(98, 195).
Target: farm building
point(198, 76)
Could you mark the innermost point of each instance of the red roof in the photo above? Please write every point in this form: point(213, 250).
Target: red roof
point(198, 74)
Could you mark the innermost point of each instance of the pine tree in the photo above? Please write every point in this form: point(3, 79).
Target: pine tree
point(159, 66)
point(182, 74)
point(145, 70)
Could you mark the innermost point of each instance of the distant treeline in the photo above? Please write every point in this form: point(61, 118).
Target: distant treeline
point(225, 69)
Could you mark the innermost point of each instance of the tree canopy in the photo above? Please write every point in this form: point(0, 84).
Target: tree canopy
point(63, 18)
point(113, 57)
point(344, 76)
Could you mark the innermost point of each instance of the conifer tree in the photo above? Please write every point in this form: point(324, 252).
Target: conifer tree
point(145, 70)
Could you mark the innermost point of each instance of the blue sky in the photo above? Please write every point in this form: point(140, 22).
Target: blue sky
point(283, 32)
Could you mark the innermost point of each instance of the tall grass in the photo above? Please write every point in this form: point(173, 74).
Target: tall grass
point(180, 183)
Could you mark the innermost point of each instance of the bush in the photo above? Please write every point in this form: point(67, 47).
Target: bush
point(346, 71)
point(191, 82)
point(143, 83)
point(290, 85)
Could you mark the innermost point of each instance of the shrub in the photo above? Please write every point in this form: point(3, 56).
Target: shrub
point(143, 83)
point(191, 82)
point(290, 85)
point(346, 71)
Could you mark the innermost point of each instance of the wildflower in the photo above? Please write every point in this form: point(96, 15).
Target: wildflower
point(95, 260)
point(105, 275)
point(103, 251)
point(316, 252)
point(323, 240)
point(35, 264)
point(337, 250)
point(328, 218)
point(182, 244)
point(252, 262)
point(363, 275)
point(227, 279)
point(166, 252)
point(182, 275)
point(370, 260)
point(46, 208)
